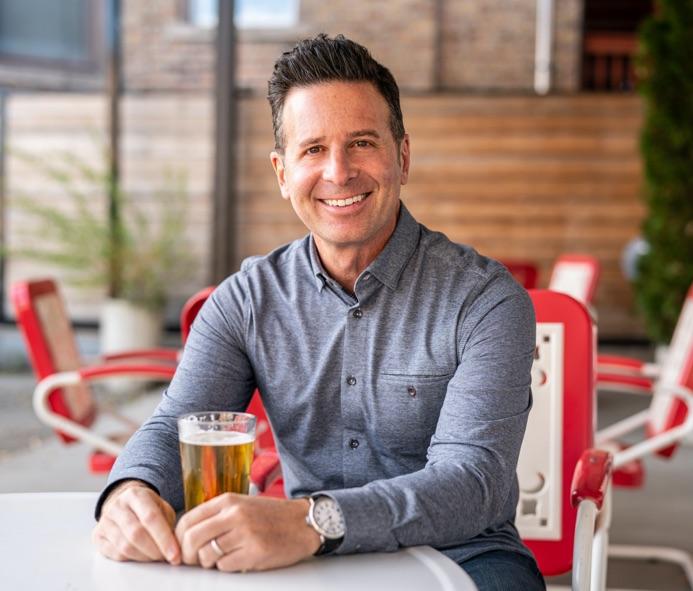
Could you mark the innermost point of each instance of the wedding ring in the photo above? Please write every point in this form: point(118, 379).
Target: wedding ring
point(215, 546)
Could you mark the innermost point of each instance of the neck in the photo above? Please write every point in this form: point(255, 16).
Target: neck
point(343, 267)
point(346, 263)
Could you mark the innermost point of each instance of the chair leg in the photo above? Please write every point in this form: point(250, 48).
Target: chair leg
point(600, 544)
point(599, 560)
point(661, 553)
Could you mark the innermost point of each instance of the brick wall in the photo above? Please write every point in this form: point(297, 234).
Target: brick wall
point(487, 45)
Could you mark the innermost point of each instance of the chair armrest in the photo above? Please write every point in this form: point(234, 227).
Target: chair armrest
point(620, 362)
point(163, 354)
point(265, 470)
point(631, 384)
point(590, 494)
point(591, 477)
point(94, 373)
point(616, 364)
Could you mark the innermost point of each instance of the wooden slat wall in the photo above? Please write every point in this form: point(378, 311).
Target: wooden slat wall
point(516, 177)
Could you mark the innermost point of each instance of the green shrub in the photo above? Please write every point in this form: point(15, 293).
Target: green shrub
point(665, 69)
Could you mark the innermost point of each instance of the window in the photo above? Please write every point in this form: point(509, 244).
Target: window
point(248, 14)
point(47, 31)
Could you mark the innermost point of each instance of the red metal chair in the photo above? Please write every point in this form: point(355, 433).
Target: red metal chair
point(63, 398)
point(576, 275)
point(667, 421)
point(266, 469)
point(563, 512)
point(524, 272)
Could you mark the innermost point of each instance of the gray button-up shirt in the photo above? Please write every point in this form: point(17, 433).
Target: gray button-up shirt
point(406, 400)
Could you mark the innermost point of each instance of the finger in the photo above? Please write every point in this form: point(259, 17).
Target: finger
point(205, 511)
point(235, 562)
point(157, 517)
point(118, 548)
point(134, 532)
point(201, 534)
point(209, 557)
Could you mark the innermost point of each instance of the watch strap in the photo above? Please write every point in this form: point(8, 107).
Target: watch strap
point(327, 546)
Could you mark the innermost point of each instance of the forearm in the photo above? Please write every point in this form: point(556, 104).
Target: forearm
point(463, 490)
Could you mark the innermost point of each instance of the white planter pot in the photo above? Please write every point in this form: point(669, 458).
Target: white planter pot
point(124, 327)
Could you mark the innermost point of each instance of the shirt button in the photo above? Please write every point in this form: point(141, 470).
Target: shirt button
point(411, 391)
point(357, 313)
point(351, 380)
point(353, 443)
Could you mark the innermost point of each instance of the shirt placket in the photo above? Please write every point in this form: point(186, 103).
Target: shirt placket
point(354, 379)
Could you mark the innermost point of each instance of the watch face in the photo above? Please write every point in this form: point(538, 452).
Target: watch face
point(328, 517)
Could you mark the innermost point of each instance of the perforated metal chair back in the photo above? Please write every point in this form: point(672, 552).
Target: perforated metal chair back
point(559, 430)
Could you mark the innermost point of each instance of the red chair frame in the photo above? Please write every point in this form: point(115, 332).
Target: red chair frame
point(559, 508)
point(58, 367)
point(574, 267)
point(524, 272)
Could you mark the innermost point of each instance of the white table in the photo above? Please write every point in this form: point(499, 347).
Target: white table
point(45, 544)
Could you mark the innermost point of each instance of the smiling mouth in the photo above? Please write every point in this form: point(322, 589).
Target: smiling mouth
point(347, 201)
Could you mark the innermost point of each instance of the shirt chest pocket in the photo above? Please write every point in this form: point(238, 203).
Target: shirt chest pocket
point(407, 409)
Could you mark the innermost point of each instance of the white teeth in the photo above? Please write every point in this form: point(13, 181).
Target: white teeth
point(345, 202)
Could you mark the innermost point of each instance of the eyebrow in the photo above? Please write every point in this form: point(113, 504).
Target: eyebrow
point(358, 133)
point(365, 132)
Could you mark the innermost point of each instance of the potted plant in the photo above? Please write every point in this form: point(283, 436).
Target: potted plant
point(665, 72)
point(137, 256)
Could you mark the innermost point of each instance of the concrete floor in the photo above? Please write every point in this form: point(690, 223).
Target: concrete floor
point(32, 459)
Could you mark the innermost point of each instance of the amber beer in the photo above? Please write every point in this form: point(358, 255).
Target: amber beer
point(216, 451)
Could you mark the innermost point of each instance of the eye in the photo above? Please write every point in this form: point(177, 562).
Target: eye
point(362, 143)
point(313, 150)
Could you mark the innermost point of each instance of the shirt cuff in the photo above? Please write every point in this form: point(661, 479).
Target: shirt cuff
point(368, 521)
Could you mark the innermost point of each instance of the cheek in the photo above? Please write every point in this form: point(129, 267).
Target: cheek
point(300, 182)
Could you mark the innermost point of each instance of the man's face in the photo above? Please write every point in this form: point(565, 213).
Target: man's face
point(341, 168)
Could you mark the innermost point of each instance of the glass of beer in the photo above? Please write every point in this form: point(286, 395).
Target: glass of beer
point(216, 451)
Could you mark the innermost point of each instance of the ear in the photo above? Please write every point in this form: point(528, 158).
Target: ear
point(278, 166)
point(404, 158)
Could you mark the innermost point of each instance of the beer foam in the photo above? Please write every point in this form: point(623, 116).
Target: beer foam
point(216, 438)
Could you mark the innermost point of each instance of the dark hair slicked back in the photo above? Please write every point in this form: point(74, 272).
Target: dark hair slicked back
point(324, 59)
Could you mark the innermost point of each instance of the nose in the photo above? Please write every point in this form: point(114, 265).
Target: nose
point(339, 168)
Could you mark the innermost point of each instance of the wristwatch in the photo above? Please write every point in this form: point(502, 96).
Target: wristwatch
point(326, 518)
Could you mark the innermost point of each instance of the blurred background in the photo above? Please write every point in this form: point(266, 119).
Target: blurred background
point(516, 174)
point(134, 170)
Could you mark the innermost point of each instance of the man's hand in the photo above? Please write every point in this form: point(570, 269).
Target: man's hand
point(136, 524)
point(253, 533)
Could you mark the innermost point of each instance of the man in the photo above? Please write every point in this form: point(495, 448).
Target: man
point(394, 365)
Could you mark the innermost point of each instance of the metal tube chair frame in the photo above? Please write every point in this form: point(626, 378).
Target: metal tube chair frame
point(667, 421)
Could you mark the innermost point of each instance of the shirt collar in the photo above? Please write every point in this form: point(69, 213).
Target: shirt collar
point(389, 264)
